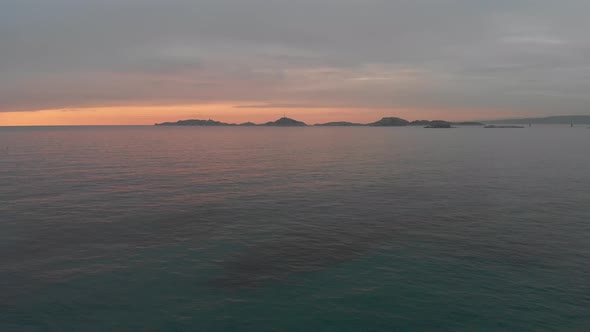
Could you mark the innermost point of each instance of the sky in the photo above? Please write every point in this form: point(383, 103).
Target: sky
point(147, 61)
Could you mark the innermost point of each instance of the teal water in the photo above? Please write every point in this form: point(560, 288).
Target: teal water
point(294, 229)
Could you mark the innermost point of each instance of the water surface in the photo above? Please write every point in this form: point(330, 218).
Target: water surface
point(294, 229)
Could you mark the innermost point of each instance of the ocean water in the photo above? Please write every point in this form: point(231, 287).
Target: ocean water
point(294, 229)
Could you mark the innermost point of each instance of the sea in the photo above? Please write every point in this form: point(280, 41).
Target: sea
point(294, 229)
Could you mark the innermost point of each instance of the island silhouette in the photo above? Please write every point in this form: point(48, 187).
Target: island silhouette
point(395, 122)
point(288, 122)
point(285, 122)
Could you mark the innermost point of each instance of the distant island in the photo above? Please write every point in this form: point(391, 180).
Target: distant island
point(393, 122)
point(420, 123)
point(469, 124)
point(439, 124)
point(339, 124)
point(288, 122)
point(194, 123)
point(282, 122)
point(390, 122)
point(285, 122)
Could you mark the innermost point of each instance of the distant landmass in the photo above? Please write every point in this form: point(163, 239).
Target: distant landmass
point(288, 122)
point(390, 122)
point(420, 123)
point(439, 124)
point(194, 123)
point(282, 122)
point(468, 123)
point(285, 122)
point(562, 119)
point(339, 123)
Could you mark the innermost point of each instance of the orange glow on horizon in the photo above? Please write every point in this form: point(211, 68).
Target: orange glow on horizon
point(148, 115)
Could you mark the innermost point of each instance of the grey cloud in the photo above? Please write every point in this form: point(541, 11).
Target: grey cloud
point(346, 53)
point(281, 105)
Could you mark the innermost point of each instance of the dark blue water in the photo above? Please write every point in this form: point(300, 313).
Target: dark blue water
point(294, 229)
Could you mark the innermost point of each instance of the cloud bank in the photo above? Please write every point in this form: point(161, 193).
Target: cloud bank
point(522, 56)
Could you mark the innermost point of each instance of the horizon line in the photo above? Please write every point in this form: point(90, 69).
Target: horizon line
point(262, 123)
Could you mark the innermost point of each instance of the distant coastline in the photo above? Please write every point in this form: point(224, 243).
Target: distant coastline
point(288, 122)
point(392, 122)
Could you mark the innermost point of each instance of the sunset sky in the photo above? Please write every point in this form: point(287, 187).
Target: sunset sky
point(146, 61)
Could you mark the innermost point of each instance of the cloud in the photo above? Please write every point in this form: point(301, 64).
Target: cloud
point(261, 106)
point(485, 55)
point(534, 40)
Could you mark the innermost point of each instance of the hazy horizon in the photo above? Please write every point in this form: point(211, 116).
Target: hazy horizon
point(140, 62)
point(498, 120)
